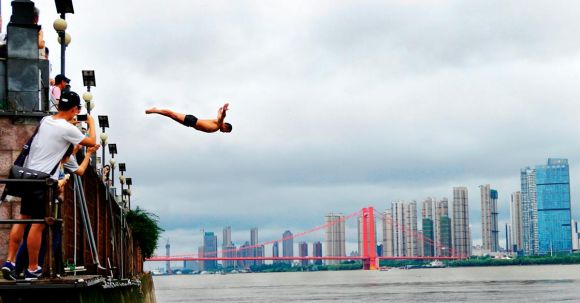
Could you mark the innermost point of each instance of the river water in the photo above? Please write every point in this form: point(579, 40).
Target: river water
point(547, 283)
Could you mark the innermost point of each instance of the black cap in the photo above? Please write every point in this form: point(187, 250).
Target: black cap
point(60, 78)
point(68, 100)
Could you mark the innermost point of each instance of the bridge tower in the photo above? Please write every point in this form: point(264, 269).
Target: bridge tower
point(168, 254)
point(369, 246)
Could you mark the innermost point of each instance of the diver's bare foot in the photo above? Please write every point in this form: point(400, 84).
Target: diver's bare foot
point(152, 110)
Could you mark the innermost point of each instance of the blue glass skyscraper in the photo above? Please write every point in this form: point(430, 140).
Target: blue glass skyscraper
point(210, 250)
point(553, 198)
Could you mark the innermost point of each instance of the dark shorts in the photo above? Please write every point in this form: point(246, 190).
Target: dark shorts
point(190, 121)
point(33, 205)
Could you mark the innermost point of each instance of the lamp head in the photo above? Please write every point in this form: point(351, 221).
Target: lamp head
point(59, 25)
point(104, 138)
point(112, 148)
point(103, 121)
point(67, 39)
point(87, 97)
point(89, 78)
point(64, 7)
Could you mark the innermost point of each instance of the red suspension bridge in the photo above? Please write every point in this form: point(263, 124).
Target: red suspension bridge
point(368, 255)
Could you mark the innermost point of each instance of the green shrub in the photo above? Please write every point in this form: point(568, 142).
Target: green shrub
point(145, 229)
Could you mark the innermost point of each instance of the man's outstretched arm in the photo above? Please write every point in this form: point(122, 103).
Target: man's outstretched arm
point(222, 115)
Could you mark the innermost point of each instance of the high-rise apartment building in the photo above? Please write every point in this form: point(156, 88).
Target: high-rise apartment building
point(402, 221)
point(229, 251)
point(428, 224)
point(508, 236)
point(288, 246)
point(254, 236)
point(432, 212)
point(529, 211)
point(259, 253)
point(228, 248)
point(428, 248)
point(317, 252)
point(200, 252)
point(255, 250)
point(334, 240)
point(444, 235)
point(244, 252)
point(227, 236)
point(575, 236)
point(210, 250)
point(275, 252)
point(461, 230)
point(410, 223)
point(489, 223)
point(398, 219)
point(303, 252)
point(387, 233)
point(553, 198)
point(517, 223)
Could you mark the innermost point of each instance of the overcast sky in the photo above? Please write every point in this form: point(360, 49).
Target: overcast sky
point(336, 105)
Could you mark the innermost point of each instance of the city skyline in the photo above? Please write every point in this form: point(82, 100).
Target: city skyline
point(437, 237)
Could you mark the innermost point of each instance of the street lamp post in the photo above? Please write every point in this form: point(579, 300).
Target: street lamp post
point(63, 7)
point(122, 169)
point(103, 123)
point(88, 81)
point(128, 191)
point(112, 151)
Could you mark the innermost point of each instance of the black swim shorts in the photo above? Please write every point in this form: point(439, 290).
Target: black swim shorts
point(190, 121)
point(34, 204)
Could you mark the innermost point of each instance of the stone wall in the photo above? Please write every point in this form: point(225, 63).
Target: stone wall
point(14, 132)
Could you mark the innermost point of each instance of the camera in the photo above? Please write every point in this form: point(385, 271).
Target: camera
point(81, 117)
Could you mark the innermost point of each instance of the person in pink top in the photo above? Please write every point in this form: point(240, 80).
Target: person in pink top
point(60, 82)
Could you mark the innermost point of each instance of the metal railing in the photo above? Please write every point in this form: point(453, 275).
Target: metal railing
point(51, 210)
point(103, 246)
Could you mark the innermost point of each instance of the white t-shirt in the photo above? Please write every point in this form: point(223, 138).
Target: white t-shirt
point(50, 144)
point(72, 164)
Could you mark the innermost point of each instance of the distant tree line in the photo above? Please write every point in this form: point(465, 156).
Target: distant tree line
point(285, 267)
point(473, 261)
point(526, 260)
